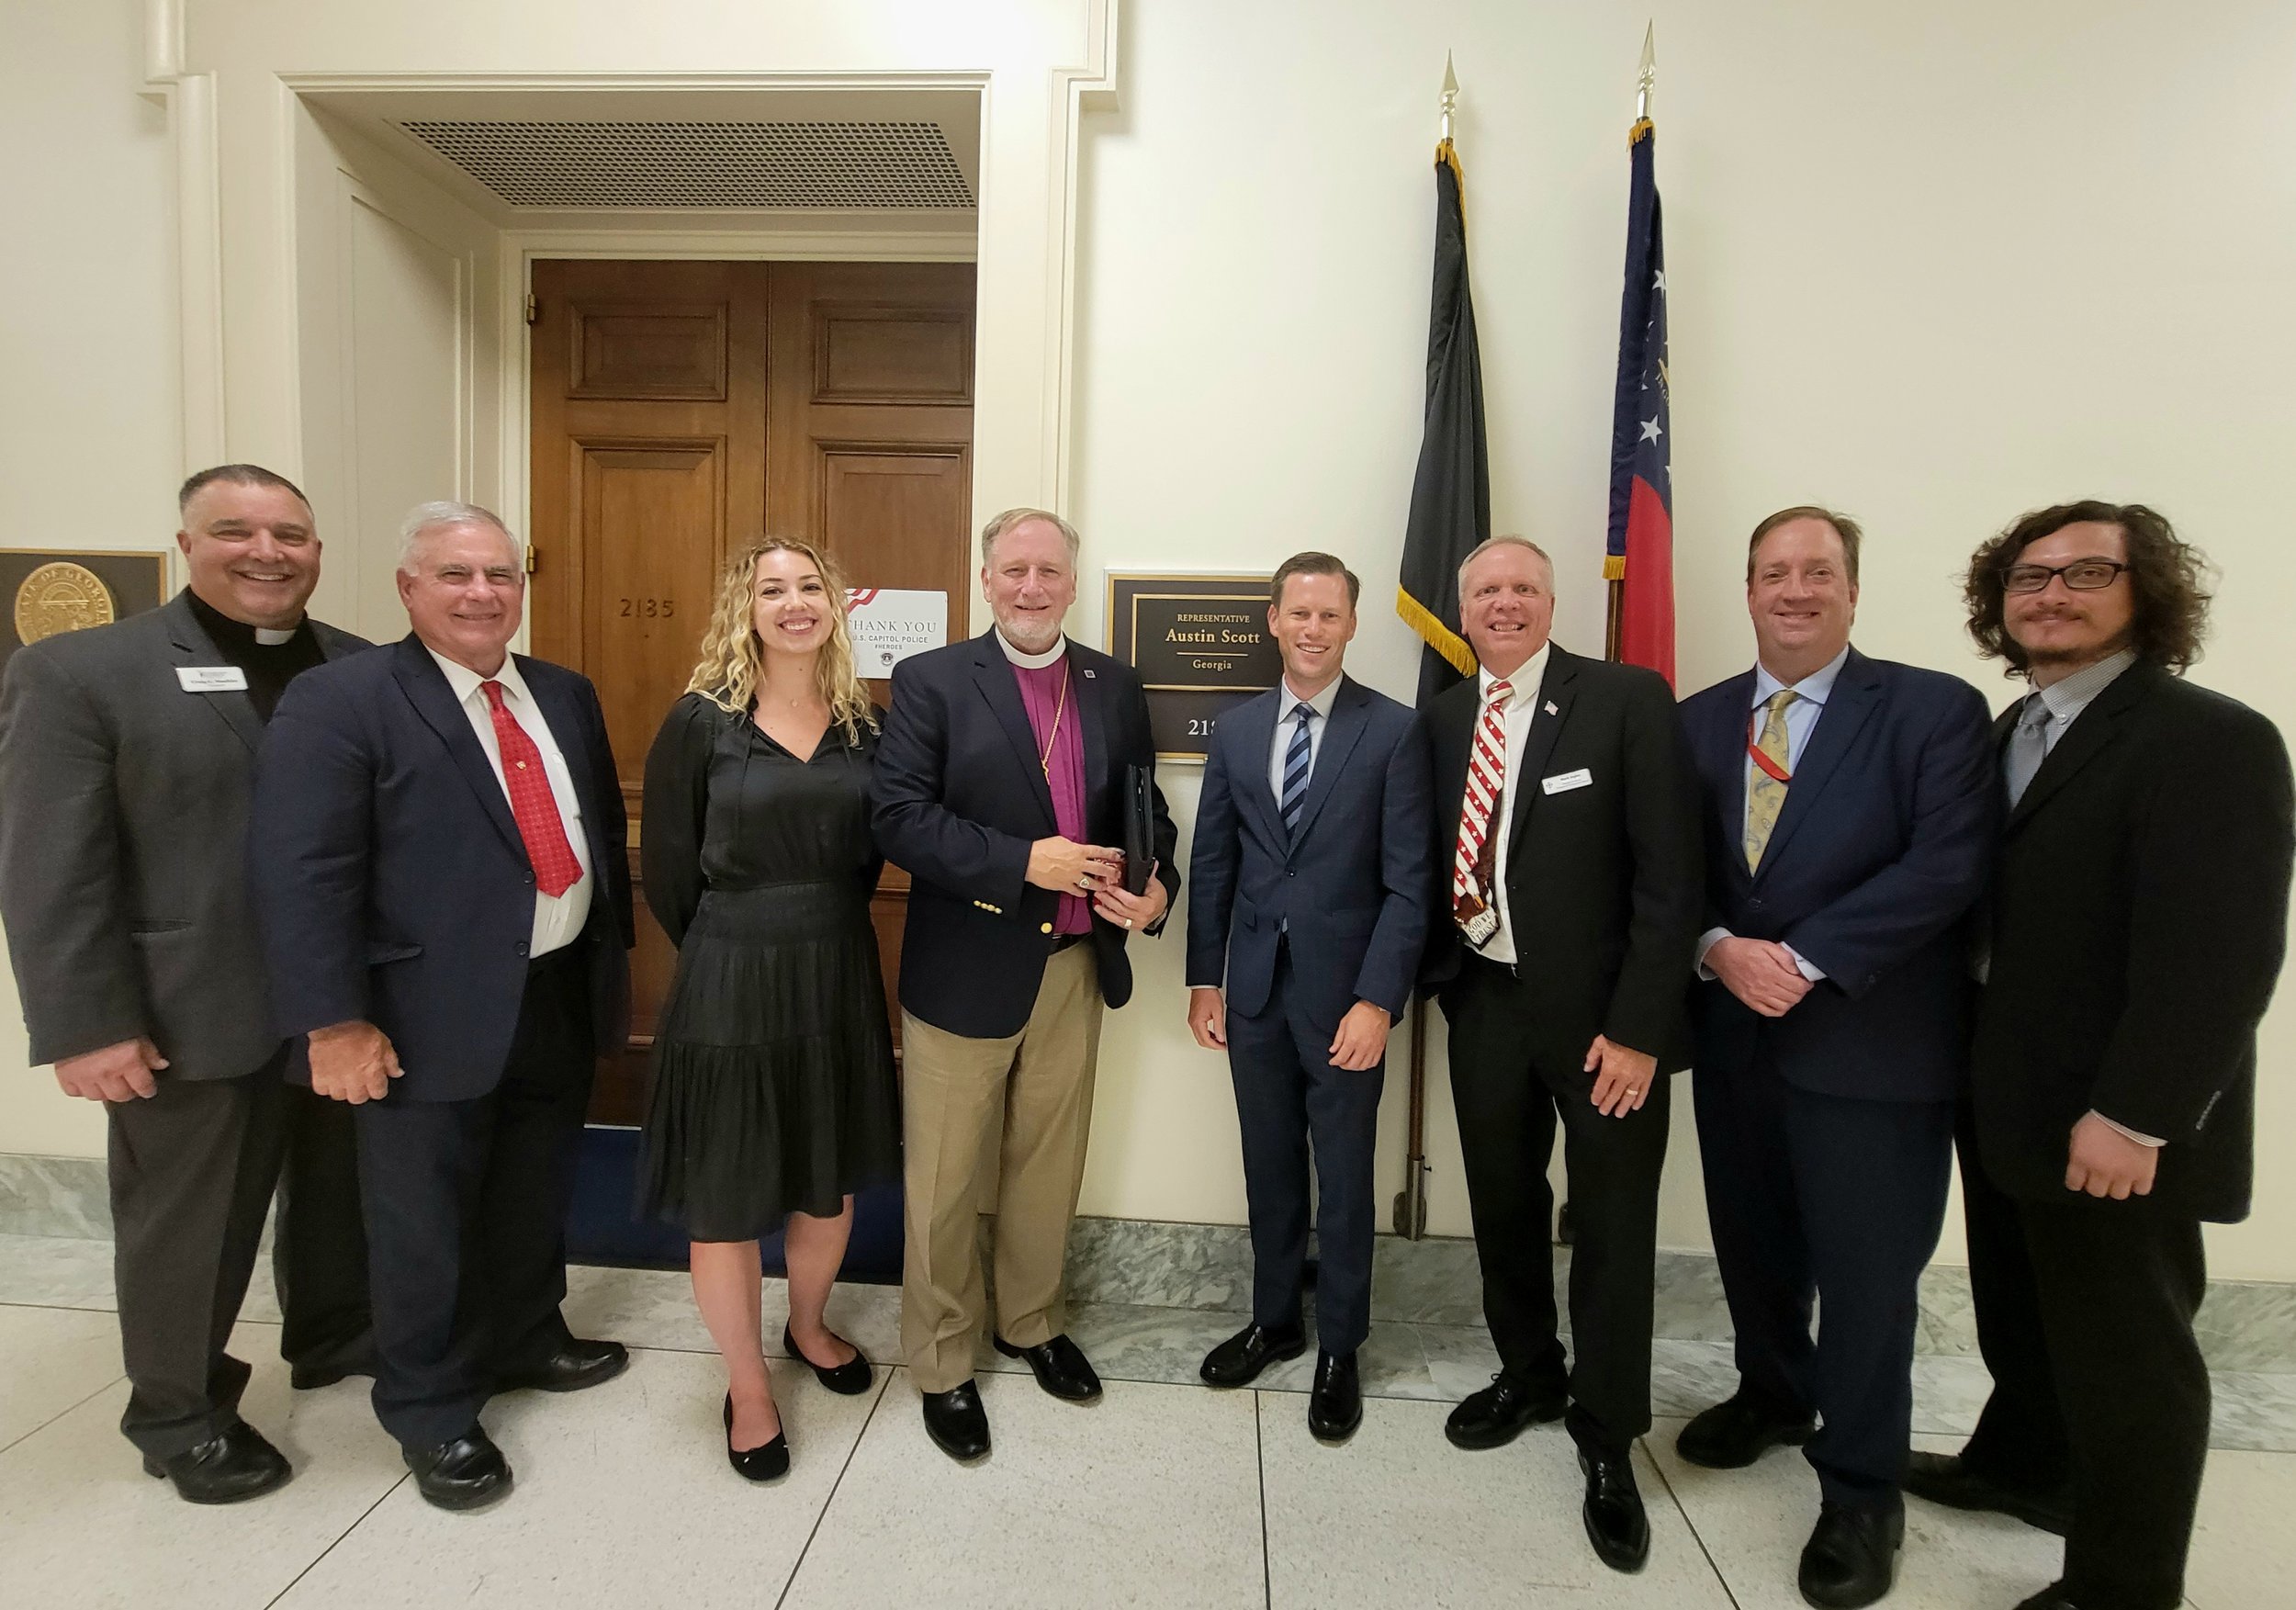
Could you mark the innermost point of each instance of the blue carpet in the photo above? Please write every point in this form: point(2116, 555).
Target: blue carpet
point(602, 1227)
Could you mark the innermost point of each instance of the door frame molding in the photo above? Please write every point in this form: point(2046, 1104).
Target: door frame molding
point(233, 102)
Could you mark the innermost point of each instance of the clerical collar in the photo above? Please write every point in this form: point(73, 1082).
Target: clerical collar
point(1033, 662)
point(221, 627)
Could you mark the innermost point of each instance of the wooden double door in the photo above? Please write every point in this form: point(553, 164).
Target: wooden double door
point(682, 410)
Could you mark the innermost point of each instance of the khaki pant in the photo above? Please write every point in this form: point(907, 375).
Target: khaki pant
point(1029, 1096)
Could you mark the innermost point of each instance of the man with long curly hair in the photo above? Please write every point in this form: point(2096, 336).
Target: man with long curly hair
point(2138, 920)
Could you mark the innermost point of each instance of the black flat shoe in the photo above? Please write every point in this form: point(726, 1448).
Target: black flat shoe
point(1949, 1480)
point(957, 1423)
point(1496, 1415)
point(1737, 1431)
point(1240, 1358)
point(766, 1463)
point(1615, 1521)
point(574, 1367)
point(467, 1473)
point(1060, 1365)
point(1851, 1560)
point(850, 1377)
point(1335, 1406)
point(239, 1464)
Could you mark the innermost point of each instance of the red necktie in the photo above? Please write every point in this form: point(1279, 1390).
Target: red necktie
point(1486, 780)
point(536, 808)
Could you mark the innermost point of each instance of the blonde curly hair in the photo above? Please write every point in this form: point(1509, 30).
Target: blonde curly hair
point(733, 659)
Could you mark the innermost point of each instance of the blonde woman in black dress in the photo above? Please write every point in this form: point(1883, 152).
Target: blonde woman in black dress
point(774, 1096)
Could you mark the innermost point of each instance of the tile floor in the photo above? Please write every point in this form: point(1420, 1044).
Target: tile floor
point(1165, 1493)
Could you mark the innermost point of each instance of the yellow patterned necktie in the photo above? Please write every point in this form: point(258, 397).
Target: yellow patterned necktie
point(1765, 791)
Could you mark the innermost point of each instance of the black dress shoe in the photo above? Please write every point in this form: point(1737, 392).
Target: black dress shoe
point(467, 1473)
point(239, 1464)
point(2050, 1598)
point(1335, 1406)
point(1949, 1480)
point(957, 1423)
point(1496, 1415)
point(1242, 1357)
point(1613, 1512)
point(1851, 1559)
point(1737, 1431)
point(850, 1377)
point(767, 1462)
point(1061, 1367)
point(577, 1364)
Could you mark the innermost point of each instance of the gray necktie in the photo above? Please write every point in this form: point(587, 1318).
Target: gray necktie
point(2028, 747)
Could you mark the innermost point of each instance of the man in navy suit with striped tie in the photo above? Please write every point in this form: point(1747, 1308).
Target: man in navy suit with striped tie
point(1311, 903)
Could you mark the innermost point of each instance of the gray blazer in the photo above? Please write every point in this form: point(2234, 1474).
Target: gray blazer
point(123, 846)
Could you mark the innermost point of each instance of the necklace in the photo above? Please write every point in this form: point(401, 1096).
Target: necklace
point(1044, 759)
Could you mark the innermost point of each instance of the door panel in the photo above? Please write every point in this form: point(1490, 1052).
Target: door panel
point(682, 410)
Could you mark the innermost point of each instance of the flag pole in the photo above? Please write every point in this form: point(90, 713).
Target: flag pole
point(1646, 81)
point(1411, 1202)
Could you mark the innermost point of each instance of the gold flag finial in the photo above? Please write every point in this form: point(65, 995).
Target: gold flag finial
point(1647, 75)
point(1450, 94)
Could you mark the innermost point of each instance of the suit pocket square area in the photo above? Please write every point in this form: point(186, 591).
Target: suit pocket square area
point(1564, 781)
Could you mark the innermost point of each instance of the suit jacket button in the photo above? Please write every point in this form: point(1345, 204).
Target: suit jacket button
point(1047, 929)
point(521, 947)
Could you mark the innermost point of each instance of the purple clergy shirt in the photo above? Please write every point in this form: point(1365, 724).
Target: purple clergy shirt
point(1056, 718)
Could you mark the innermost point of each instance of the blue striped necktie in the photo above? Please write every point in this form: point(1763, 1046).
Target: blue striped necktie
point(1296, 767)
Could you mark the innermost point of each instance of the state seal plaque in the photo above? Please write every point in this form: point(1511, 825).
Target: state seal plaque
point(51, 592)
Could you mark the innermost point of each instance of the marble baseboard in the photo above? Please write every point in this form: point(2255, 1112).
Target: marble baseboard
point(1140, 1264)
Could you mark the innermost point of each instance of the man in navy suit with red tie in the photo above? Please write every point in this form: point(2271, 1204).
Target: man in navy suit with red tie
point(446, 906)
point(1851, 807)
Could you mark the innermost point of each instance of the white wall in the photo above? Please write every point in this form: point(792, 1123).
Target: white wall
point(89, 441)
point(1934, 265)
point(1933, 268)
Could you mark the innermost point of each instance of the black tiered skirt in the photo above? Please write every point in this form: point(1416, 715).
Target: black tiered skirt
point(774, 1082)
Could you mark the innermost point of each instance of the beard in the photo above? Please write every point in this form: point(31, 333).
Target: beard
point(1029, 636)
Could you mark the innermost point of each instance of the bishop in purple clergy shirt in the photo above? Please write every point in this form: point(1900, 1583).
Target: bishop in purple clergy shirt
point(997, 786)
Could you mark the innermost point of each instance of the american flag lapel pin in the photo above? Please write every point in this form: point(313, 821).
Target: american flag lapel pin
point(1551, 704)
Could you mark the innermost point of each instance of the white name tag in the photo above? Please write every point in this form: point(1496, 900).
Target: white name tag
point(211, 679)
point(1564, 781)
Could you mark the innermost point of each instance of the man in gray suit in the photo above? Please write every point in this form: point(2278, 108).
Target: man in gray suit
point(127, 762)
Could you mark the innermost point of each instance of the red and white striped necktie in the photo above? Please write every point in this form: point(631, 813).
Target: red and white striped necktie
point(1486, 776)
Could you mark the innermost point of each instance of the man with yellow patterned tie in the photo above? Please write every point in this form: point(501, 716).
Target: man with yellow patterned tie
point(1850, 809)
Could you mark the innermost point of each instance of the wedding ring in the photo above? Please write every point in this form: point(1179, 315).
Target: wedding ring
point(1128, 922)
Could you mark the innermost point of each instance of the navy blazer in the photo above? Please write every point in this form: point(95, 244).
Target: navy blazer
point(391, 881)
point(957, 798)
point(1880, 853)
point(1352, 883)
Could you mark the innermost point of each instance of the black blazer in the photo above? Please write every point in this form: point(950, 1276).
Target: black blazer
point(2138, 923)
point(1352, 885)
point(391, 879)
point(123, 845)
point(1604, 881)
point(1879, 853)
point(958, 797)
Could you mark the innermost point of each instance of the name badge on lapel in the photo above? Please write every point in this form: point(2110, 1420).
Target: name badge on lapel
point(1564, 781)
point(211, 679)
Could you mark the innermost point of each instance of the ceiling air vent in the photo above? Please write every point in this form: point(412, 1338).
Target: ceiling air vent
point(819, 164)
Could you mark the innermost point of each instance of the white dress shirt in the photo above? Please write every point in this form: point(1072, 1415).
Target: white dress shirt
point(1801, 721)
point(559, 918)
point(1523, 703)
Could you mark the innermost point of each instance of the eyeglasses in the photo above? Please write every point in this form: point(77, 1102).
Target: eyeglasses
point(2081, 575)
